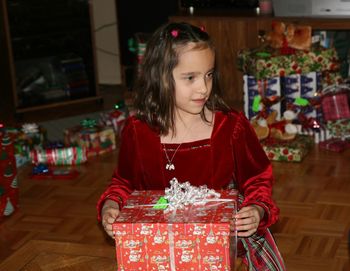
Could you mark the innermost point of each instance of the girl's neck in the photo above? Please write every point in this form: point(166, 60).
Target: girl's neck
point(189, 129)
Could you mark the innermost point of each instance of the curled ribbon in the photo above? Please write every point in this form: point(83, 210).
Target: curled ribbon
point(180, 195)
point(30, 128)
point(88, 123)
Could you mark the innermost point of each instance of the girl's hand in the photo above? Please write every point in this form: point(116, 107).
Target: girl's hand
point(248, 219)
point(109, 213)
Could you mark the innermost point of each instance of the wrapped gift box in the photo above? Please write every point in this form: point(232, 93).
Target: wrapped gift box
point(264, 88)
point(289, 151)
point(339, 128)
point(319, 135)
point(26, 138)
point(194, 238)
point(96, 139)
point(59, 156)
point(335, 144)
point(115, 119)
point(8, 176)
point(336, 106)
point(32, 135)
point(266, 62)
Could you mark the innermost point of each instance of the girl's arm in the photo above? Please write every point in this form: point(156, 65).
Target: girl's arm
point(253, 172)
point(126, 172)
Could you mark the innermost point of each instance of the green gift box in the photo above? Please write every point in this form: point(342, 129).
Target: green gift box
point(266, 62)
point(288, 151)
point(339, 128)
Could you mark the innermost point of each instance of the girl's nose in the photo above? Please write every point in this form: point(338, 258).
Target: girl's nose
point(204, 87)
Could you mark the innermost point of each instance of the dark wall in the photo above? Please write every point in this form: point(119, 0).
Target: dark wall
point(140, 16)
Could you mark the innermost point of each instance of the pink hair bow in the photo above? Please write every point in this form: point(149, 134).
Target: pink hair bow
point(175, 33)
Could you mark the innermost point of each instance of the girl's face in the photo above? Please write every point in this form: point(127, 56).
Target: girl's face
point(193, 78)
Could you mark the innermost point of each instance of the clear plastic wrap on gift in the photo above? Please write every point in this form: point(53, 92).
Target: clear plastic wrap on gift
point(196, 237)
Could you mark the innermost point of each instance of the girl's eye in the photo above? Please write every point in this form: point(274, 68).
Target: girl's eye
point(210, 75)
point(189, 78)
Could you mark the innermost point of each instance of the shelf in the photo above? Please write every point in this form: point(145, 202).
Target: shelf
point(49, 49)
point(59, 104)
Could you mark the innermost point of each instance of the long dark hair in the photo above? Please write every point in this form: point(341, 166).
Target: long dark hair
point(155, 86)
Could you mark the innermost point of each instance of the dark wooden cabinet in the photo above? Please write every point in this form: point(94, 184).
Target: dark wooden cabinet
point(48, 64)
point(233, 30)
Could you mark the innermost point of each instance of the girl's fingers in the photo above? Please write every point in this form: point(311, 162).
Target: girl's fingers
point(245, 233)
point(247, 221)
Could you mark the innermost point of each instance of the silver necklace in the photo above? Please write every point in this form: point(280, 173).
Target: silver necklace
point(170, 165)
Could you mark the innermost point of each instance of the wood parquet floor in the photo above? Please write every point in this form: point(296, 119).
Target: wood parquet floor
point(55, 227)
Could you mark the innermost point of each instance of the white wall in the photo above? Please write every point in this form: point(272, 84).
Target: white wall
point(107, 44)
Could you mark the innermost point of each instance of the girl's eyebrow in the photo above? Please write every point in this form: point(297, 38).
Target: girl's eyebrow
point(192, 73)
point(189, 73)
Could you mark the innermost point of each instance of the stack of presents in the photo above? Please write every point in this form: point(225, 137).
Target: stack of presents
point(29, 144)
point(294, 94)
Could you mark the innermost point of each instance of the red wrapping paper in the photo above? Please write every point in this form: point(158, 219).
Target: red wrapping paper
point(335, 144)
point(335, 107)
point(8, 176)
point(197, 238)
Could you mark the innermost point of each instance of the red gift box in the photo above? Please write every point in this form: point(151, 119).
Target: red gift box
point(335, 144)
point(8, 176)
point(335, 107)
point(195, 238)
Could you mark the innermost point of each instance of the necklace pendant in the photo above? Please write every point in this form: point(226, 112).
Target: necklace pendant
point(170, 166)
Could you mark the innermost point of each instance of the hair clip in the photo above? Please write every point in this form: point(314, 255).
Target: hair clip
point(175, 33)
point(202, 28)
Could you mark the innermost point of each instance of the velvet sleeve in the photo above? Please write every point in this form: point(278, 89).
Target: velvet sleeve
point(253, 172)
point(126, 172)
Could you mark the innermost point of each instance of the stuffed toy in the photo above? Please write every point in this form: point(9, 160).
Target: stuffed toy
point(289, 36)
point(299, 36)
point(276, 37)
point(261, 125)
point(282, 129)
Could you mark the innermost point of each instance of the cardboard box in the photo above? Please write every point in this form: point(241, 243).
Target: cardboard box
point(195, 238)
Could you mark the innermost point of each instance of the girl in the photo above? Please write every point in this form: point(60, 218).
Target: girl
point(184, 129)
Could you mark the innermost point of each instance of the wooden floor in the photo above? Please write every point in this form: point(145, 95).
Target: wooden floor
point(56, 228)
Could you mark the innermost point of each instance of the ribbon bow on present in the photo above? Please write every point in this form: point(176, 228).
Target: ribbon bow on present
point(88, 123)
point(30, 128)
point(180, 195)
point(303, 105)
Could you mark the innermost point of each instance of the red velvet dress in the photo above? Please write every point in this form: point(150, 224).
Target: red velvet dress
point(232, 156)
